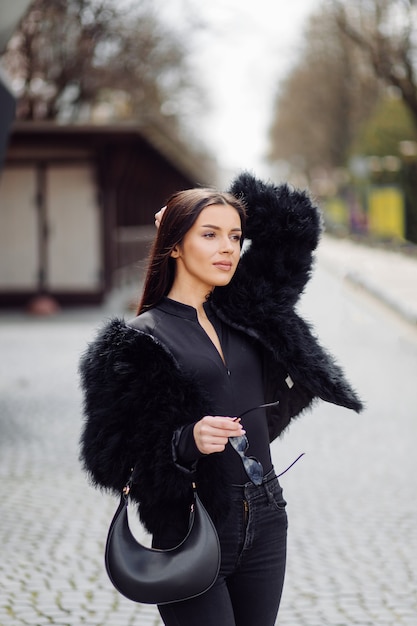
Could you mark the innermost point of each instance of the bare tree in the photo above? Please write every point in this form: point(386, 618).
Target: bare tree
point(386, 31)
point(70, 55)
point(323, 101)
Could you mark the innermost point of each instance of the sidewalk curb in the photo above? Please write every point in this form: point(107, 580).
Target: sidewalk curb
point(387, 275)
point(406, 313)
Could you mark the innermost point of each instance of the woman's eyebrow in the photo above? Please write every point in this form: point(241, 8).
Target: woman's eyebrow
point(237, 229)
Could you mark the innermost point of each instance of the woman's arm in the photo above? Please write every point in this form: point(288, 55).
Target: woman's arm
point(284, 227)
point(135, 398)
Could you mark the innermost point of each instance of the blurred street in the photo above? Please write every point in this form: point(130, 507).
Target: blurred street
point(351, 500)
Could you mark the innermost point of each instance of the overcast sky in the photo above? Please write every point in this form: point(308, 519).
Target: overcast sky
point(248, 47)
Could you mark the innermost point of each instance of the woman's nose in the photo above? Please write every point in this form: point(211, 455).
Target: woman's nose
point(227, 245)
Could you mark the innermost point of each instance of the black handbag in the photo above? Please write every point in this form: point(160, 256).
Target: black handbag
point(154, 576)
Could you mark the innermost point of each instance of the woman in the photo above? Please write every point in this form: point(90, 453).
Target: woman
point(216, 337)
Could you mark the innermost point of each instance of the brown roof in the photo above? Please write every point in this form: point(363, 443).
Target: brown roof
point(197, 167)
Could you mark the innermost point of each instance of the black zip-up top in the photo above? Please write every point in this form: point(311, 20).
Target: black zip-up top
point(235, 384)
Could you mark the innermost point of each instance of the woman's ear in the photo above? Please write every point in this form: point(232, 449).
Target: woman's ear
point(175, 252)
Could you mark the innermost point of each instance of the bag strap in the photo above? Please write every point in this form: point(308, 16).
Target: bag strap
point(126, 491)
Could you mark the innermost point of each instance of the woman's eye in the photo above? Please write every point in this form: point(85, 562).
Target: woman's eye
point(212, 235)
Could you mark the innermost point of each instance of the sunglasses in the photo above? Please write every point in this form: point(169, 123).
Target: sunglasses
point(252, 466)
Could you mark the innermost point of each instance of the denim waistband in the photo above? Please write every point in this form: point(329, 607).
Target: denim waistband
point(271, 475)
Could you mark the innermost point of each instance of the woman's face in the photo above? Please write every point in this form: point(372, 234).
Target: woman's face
point(210, 251)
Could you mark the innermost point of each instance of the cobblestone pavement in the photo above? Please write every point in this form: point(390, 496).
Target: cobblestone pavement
point(352, 505)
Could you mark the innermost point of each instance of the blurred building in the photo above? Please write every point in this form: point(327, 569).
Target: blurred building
point(77, 202)
point(77, 206)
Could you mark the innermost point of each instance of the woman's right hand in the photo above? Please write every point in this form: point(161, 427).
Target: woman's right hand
point(212, 432)
point(158, 216)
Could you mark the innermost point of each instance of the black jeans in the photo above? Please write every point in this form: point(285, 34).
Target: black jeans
point(253, 542)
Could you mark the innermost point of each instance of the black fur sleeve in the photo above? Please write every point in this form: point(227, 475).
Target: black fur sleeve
point(134, 399)
point(284, 228)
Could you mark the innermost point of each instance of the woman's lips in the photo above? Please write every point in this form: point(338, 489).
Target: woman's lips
point(223, 265)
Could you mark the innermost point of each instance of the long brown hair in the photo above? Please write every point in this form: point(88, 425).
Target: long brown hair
point(183, 209)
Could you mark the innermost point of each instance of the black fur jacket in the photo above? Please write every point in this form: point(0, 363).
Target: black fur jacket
point(136, 396)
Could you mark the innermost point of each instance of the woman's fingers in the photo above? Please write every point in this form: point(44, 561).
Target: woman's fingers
point(212, 433)
point(158, 216)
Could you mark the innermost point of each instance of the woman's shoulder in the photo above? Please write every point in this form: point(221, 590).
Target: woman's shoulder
point(121, 346)
point(146, 321)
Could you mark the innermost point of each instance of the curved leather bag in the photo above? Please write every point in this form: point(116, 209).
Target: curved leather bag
point(156, 576)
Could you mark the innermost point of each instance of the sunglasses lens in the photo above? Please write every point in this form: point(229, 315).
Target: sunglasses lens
point(240, 443)
point(252, 466)
point(253, 469)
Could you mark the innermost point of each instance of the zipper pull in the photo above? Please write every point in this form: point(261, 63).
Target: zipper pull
point(245, 511)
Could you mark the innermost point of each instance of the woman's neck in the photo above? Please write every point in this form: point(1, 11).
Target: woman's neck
point(194, 298)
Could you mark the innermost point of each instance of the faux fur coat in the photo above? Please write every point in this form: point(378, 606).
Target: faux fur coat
point(136, 396)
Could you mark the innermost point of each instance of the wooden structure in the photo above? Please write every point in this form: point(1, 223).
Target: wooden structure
point(77, 205)
point(10, 15)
